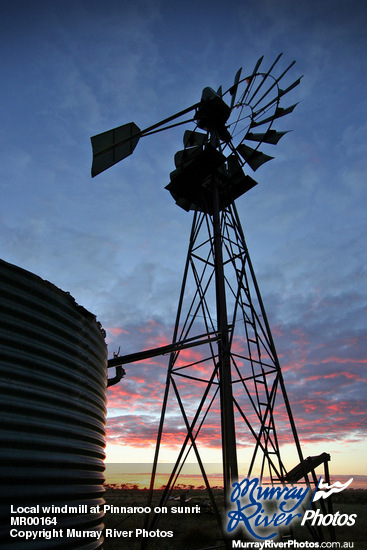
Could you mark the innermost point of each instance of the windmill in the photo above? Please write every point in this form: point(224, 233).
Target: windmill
point(236, 376)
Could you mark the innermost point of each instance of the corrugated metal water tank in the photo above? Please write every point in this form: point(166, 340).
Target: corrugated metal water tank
point(53, 369)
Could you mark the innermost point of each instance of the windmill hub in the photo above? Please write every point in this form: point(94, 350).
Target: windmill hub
point(213, 113)
point(199, 170)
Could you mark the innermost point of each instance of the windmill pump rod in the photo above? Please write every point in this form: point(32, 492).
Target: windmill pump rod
point(163, 350)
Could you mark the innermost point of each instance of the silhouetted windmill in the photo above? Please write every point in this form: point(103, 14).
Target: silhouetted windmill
point(237, 376)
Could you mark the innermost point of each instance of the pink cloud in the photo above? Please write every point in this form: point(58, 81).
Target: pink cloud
point(116, 331)
point(326, 402)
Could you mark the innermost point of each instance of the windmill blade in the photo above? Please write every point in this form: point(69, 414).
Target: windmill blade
point(276, 99)
point(264, 78)
point(276, 81)
point(114, 145)
point(281, 92)
point(271, 136)
point(295, 83)
point(249, 79)
point(233, 90)
point(253, 157)
point(279, 112)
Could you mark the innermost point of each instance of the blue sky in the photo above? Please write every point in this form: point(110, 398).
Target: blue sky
point(118, 242)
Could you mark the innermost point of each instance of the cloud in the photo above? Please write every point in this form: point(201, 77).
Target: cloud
point(323, 366)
